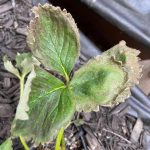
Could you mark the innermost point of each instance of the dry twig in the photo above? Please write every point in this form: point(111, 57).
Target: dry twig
point(116, 135)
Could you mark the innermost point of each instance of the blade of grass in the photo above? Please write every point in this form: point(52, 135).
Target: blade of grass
point(60, 142)
point(24, 143)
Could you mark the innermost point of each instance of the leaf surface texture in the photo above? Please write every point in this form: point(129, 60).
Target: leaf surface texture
point(54, 39)
point(51, 107)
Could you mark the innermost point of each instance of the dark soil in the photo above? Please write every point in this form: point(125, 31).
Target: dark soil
point(13, 22)
point(94, 131)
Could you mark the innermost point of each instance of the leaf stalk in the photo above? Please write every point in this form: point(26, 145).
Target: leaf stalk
point(21, 93)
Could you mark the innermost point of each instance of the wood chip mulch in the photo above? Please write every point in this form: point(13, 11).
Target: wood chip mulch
point(94, 131)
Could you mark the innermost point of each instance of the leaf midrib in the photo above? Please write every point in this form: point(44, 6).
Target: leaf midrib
point(56, 52)
point(49, 92)
point(53, 90)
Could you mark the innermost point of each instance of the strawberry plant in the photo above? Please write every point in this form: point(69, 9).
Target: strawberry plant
point(48, 103)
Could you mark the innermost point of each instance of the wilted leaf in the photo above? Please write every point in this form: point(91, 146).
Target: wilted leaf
point(106, 79)
point(54, 39)
point(22, 107)
point(25, 63)
point(7, 145)
point(51, 107)
point(9, 67)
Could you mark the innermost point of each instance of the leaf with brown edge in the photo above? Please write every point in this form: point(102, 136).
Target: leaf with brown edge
point(106, 79)
point(54, 39)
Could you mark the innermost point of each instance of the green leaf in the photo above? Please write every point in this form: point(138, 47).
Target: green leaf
point(9, 67)
point(51, 107)
point(7, 145)
point(54, 39)
point(106, 79)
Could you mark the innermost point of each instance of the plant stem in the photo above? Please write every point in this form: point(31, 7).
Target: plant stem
point(24, 143)
point(60, 142)
point(21, 85)
point(66, 75)
point(67, 78)
point(21, 93)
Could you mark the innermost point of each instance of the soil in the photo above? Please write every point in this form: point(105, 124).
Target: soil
point(94, 131)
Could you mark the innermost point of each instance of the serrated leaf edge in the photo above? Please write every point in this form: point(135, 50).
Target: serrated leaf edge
point(66, 16)
point(132, 69)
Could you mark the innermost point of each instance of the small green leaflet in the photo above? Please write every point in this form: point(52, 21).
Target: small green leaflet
point(105, 80)
point(7, 145)
point(56, 46)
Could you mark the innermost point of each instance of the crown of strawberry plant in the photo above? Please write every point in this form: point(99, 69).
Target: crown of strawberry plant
point(48, 103)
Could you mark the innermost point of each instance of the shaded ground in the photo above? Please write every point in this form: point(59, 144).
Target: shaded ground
point(98, 130)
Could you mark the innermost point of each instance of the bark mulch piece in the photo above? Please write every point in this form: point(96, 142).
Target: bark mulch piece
point(94, 131)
